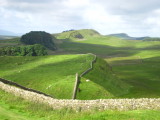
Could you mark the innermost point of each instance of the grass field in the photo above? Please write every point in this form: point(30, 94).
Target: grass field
point(54, 75)
point(102, 83)
point(132, 72)
point(9, 42)
point(136, 62)
point(20, 109)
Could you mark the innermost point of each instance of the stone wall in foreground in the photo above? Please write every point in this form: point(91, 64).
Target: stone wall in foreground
point(83, 105)
point(22, 87)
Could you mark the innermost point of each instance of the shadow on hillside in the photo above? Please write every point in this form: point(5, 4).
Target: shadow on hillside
point(153, 47)
point(100, 50)
point(104, 51)
point(60, 74)
point(143, 77)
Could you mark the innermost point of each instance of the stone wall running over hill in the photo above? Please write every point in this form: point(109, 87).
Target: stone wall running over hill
point(78, 77)
point(82, 105)
point(91, 65)
point(22, 87)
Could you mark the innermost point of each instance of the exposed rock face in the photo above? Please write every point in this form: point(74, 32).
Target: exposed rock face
point(76, 34)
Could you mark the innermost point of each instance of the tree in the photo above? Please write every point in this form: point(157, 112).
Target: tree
point(39, 50)
point(39, 37)
point(29, 50)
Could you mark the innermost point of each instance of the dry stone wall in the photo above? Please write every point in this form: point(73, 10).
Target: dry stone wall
point(78, 77)
point(91, 65)
point(83, 105)
point(22, 87)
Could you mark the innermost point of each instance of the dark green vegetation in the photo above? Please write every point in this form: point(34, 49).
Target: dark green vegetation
point(27, 45)
point(29, 50)
point(38, 37)
point(20, 109)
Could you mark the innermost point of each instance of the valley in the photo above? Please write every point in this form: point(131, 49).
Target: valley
point(123, 69)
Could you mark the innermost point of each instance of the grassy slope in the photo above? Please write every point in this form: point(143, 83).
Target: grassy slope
point(134, 61)
point(20, 109)
point(102, 83)
point(144, 77)
point(54, 75)
point(86, 33)
point(125, 58)
point(8, 112)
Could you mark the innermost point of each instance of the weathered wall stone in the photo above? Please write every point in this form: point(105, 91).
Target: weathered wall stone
point(83, 105)
point(22, 87)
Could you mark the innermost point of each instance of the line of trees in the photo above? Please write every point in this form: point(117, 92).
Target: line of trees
point(29, 50)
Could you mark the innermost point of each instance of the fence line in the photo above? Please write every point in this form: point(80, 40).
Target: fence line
point(22, 87)
point(78, 78)
point(76, 87)
point(77, 82)
point(91, 64)
point(78, 105)
point(85, 105)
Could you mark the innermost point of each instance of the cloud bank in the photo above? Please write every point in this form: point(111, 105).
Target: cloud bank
point(135, 17)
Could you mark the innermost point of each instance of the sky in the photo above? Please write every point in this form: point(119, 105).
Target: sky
point(134, 17)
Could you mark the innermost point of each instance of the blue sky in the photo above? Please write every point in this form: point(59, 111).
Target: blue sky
point(135, 17)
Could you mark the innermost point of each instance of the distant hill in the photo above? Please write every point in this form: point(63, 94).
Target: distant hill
point(7, 33)
point(3, 37)
point(152, 39)
point(127, 37)
point(77, 34)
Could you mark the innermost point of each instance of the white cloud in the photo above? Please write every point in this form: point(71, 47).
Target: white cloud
point(99, 19)
point(76, 3)
point(136, 17)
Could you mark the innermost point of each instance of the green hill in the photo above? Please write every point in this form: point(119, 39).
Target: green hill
point(127, 37)
point(102, 83)
point(55, 75)
point(51, 74)
point(86, 33)
point(131, 71)
point(134, 61)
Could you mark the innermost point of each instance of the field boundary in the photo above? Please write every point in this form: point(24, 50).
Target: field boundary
point(84, 105)
point(22, 87)
point(78, 77)
point(91, 64)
